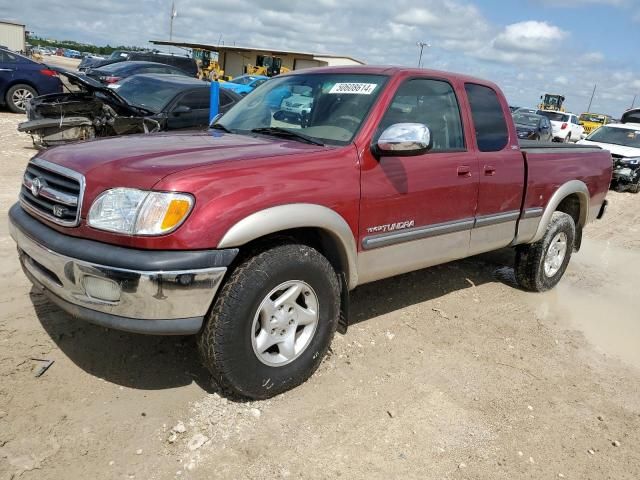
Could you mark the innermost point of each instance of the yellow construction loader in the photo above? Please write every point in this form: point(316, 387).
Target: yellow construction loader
point(552, 102)
point(208, 69)
point(266, 65)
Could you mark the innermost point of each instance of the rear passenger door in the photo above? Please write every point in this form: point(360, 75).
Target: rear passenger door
point(7, 66)
point(501, 172)
point(418, 211)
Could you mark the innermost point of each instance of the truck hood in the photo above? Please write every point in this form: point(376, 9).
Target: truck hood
point(615, 149)
point(140, 161)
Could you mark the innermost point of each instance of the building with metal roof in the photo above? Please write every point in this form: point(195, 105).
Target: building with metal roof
point(233, 58)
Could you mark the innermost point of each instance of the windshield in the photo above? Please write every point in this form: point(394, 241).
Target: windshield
point(524, 119)
point(147, 92)
point(554, 116)
point(244, 80)
point(329, 108)
point(616, 136)
point(592, 117)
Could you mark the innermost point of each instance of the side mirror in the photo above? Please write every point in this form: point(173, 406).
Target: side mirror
point(404, 139)
point(180, 109)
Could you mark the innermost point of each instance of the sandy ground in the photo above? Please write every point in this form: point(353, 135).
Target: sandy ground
point(446, 373)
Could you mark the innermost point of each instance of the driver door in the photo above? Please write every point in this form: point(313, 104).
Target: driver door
point(197, 115)
point(418, 211)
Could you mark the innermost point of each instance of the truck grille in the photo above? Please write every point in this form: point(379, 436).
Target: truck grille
point(52, 192)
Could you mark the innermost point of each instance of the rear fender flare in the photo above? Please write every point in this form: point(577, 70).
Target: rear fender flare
point(297, 215)
point(572, 187)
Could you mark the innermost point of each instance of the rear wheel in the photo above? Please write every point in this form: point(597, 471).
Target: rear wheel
point(541, 265)
point(273, 321)
point(18, 96)
point(567, 139)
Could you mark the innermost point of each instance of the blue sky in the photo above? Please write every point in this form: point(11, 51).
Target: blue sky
point(528, 47)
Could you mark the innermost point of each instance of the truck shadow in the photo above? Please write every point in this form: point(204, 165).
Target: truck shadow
point(155, 362)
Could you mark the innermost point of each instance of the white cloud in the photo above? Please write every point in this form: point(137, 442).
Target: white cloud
point(520, 57)
point(592, 58)
point(529, 36)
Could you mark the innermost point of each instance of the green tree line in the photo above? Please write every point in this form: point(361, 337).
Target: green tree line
point(82, 47)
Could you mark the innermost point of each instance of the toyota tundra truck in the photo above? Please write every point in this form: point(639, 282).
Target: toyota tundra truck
point(252, 234)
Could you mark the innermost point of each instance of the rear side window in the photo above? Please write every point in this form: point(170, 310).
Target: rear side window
point(225, 98)
point(492, 133)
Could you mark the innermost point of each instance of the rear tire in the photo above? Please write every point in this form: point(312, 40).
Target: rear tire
point(18, 95)
point(540, 266)
point(244, 341)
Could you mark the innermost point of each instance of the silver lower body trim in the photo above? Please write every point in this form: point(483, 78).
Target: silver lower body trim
point(379, 263)
point(142, 295)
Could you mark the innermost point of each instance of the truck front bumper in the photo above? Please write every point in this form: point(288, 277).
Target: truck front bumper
point(142, 291)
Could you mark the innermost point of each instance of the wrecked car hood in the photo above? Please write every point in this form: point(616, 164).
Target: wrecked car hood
point(88, 84)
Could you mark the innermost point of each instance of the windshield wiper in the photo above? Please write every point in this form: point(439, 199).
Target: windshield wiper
point(219, 126)
point(285, 133)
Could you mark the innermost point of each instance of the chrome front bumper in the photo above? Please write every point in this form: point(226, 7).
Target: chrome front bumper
point(143, 301)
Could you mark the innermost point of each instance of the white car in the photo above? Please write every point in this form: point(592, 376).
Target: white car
point(297, 104)
point(565, 126)
point(621, 139)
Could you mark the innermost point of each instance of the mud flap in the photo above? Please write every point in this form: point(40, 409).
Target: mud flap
point(343, 322)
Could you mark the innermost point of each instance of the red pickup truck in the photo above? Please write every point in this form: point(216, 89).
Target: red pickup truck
point(252, 234)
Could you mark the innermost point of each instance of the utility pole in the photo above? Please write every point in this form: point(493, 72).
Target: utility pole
point(174, 14)
point(590, 101)
point(422, 45)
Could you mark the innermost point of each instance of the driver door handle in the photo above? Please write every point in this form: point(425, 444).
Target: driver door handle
point(464, 171)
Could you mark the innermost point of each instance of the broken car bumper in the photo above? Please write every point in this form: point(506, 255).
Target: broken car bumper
point(142, 291)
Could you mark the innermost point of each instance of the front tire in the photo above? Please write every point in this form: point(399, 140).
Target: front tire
point(541, 265)
point(18, 96)
point(272, 322)
point(635, 188)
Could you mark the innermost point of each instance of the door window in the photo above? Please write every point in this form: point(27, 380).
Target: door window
point(492, 133)
point(6, 57)
point(195, 100)
point(432, 103)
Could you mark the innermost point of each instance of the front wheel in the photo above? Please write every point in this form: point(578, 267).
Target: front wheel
point(541, 265)
point(635, 188)
point(272, 322)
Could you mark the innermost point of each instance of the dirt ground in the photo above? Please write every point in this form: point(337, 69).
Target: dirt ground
point(446, 373)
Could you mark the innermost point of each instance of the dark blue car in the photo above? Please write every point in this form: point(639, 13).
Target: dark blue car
point(22, 79)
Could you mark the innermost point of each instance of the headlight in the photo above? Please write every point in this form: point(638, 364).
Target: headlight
point(139, 212)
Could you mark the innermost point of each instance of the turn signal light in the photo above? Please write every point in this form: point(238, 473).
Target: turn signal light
point(176, 212)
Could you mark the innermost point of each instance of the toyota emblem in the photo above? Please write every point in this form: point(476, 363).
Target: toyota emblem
point(36, 186)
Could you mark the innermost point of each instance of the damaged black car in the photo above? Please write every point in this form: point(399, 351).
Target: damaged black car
point(139, 104)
